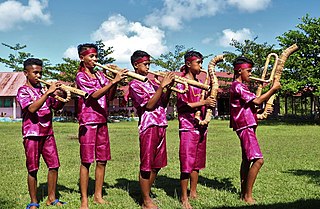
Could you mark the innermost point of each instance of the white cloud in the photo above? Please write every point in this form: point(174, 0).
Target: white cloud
point(127, 37)
point(175, 12)
point(207, 40)
point(13, 13)
point(72, 53)
point(239, 35)
point(250, 5)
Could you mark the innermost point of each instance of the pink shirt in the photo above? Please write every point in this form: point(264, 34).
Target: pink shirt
point(242, 110)
point(92, 111)
point(185, 112)
point(141, 93)
point(40, 122)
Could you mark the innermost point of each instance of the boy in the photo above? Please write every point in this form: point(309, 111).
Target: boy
point(150, 102)
point(243, 120)
point(92, 116)
point(192, 152)
point(37, 131)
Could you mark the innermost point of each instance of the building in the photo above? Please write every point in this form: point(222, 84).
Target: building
point(9, 85)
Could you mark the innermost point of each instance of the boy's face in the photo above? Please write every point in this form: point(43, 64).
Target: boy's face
point(142, 68)
point(33, 73)
point(89, 60)
point(245, 74)
point(195, 66)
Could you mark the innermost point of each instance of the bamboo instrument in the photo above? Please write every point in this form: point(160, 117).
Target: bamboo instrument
point(115, 69)
point(68, 90)
point(184, 81)
point(214, 89)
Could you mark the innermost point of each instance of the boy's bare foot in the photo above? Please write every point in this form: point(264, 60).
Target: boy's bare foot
point(249, 201)
point(84, 207)
point(149, 205)
point(84, 204)
point(186, 204)
point(193, 195)
point(99, 200)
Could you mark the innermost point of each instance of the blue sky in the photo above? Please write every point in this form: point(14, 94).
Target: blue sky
point(53, 28)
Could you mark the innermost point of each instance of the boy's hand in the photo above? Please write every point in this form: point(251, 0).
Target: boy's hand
point(210, 101)
point(53, 87)
point(121, 74)
point(168, 79)
point(276, 85)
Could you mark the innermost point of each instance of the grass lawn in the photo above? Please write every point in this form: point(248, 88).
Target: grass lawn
point(290, 177)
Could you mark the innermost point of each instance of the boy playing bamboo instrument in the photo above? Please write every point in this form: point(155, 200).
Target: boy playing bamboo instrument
point(243, 120)
point(150, 102)
point(193, 137)
point(37, 131)
point(92, 116)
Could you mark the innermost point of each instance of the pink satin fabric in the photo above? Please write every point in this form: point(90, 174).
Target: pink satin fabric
point(192, 152)
point(193, 137)
point(153, 152)
point(185, 112)
point(249, 144)
point(40, 122)
point(242, 109)
point(94, 143)
point(92, 111)
point(141, 93)
point(35, 146)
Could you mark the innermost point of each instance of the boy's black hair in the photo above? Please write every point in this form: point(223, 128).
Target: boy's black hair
point(241, 59)
point(137, 55)
point(32, 61)
point(83, 47)
point(192, 54)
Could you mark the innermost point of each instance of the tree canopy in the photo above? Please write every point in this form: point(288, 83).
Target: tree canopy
point(302, 71)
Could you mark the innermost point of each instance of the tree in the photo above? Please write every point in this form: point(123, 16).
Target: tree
point(252, 50)
point(303, 69)
point(15, 61)
point(171, 61)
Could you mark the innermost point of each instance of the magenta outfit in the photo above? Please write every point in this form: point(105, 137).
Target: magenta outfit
point(243, 119)
point(152, 125)
point(193, 137)
point(92, 116)
point(37, 128)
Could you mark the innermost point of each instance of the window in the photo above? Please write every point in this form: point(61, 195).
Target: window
point(6, 102)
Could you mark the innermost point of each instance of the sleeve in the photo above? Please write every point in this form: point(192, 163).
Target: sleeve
point(24, 98)
point(245, 94)
point(83, 82)
point(182, 99)
point(55, 104)
point(138, 94)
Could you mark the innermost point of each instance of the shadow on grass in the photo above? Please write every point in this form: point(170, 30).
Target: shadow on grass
point(171, 186)
point(8, 204)
point(219, 184)
point(313, 175)
point(299, 204)
point(42, 191)
point(130, 186)
point(290, 120)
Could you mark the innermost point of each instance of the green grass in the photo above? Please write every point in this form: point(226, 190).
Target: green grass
point(290, 177)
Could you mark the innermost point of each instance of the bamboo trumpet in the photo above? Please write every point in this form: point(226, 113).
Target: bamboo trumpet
point(116, 69)
point(68, 90)
point(183, 81)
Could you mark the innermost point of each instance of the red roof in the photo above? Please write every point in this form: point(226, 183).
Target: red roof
point(10, 83)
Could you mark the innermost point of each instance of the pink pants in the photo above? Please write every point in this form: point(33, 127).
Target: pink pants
point(94, 143)
point(249, 144)
point(35, 146)
point(153, 152)
point(192, 153)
